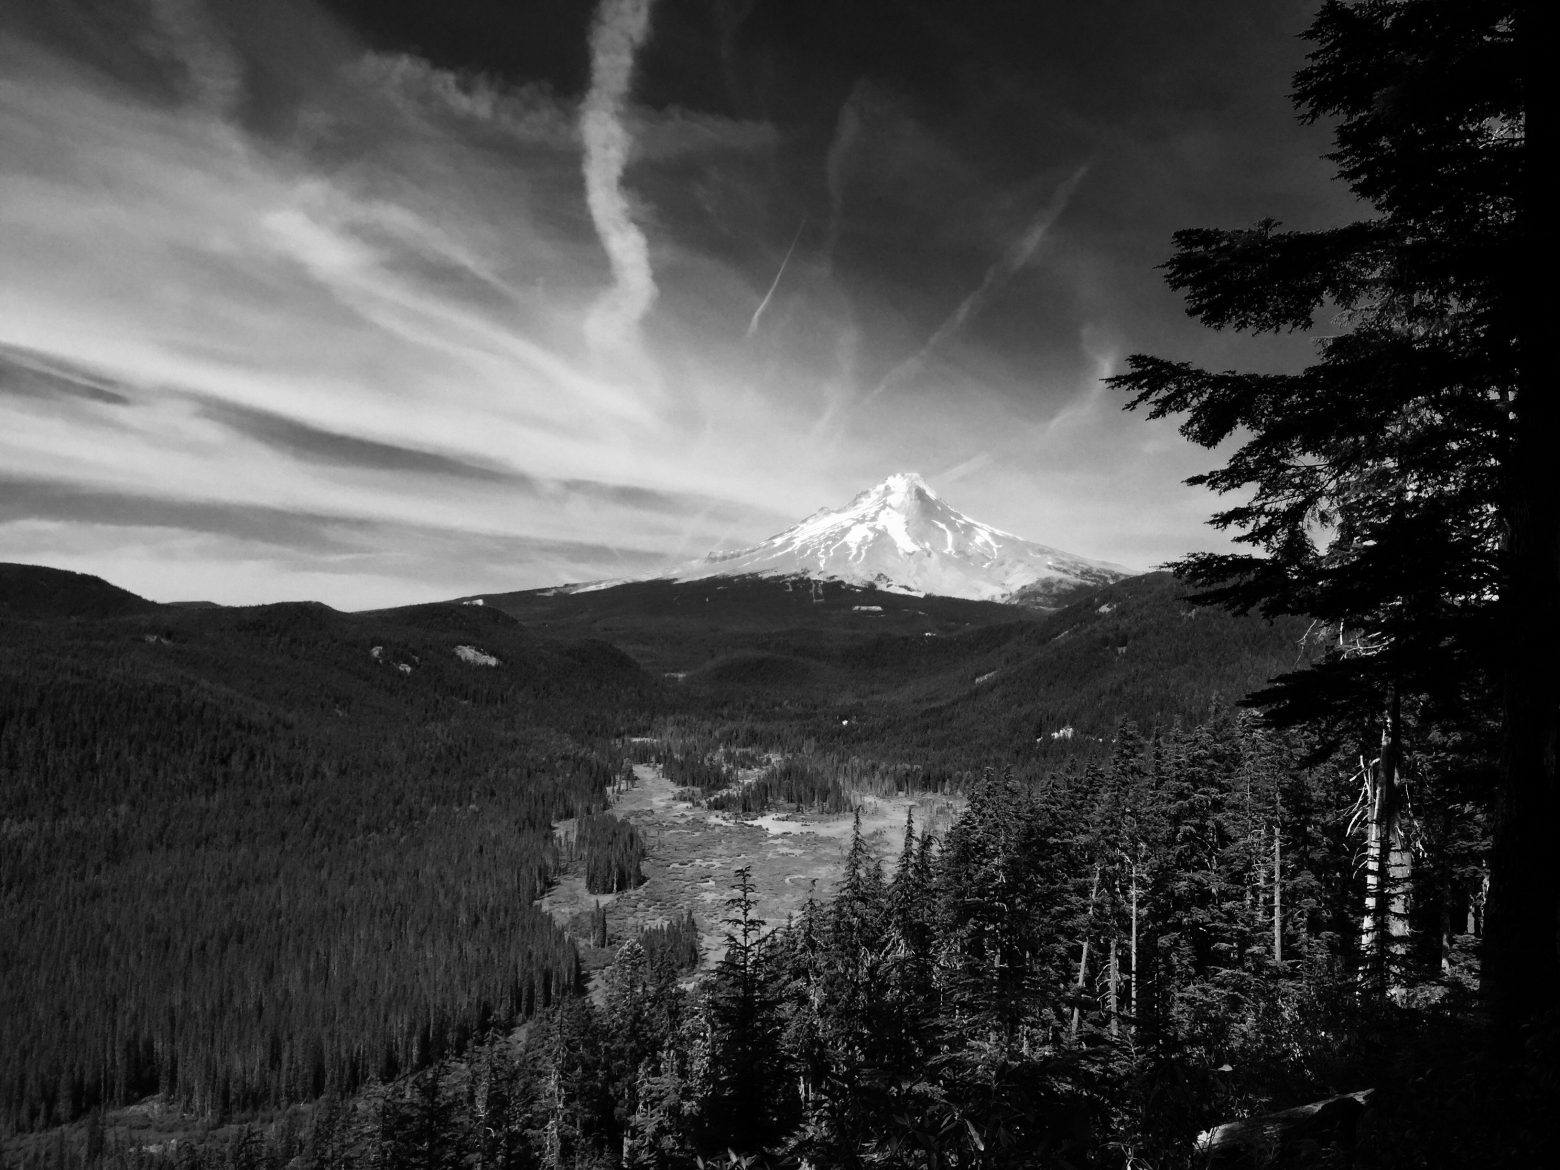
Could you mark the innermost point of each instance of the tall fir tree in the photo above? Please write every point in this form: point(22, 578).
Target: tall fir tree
point(1403, 488)
point(751, 1100)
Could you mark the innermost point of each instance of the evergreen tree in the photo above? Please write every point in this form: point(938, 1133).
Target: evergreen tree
point(911, 915)
point(751, 1102)
point(1404, 488)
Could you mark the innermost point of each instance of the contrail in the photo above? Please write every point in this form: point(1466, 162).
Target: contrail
point(959, 470)
point(768, 296)
point(998, 274)
point(620, 29)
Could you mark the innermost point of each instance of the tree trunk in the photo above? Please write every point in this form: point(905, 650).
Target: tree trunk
point(1476, 908)
point(1115, 972)
point(1133, 1001)
point(1384, 929)
point(1278, 898)
point(1446, 932)
point(1083, 960)
point(1521, 971)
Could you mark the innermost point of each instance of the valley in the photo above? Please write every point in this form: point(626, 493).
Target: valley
point(401, 774)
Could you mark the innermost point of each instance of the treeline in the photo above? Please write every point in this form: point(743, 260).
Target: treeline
point(612, 852)
point(691, 757)
point(250, 862)
point(797, 783)
point(675, 943)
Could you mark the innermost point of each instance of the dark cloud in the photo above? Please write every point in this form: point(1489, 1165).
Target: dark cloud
point(25, 374)
point(302, 441)
point(325, 542)
point(642, 499)
point(418, 553)
point(61, 501)
point(313, 444)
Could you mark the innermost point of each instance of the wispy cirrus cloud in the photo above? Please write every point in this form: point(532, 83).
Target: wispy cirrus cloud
point(312, 444)
point(24, 374)
point(256, 269)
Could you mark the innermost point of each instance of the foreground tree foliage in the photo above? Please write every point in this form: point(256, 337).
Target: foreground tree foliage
point(1403, 489)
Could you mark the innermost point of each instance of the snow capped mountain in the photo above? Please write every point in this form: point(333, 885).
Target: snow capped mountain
point(901, 535)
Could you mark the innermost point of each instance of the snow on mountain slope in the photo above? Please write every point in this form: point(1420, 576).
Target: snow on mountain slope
point(901, 535)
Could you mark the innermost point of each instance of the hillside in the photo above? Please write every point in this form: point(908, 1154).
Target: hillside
point(281, 847)
point(916, 678)
point(34, 591)
point(674, 627)
point(1136, 650)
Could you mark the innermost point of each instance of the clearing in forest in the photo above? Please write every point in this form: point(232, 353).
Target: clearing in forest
point(692, 854)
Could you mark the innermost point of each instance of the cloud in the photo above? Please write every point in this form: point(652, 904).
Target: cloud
point(341, 330)
point(300, 440)
point(677, 505)
point(215, 73)
point(35, 375)
point(529, 113)
point(847, 129)
point(964, 468)
point(775, 283)
point(171, 549)
point(61, 500)
point(620, 28)
point(310, 532)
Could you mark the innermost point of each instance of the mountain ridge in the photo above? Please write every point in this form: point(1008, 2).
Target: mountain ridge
point(39, 592)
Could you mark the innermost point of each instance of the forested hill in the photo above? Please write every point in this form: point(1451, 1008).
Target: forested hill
point(967, 694)
point(799, 658)
point(33, 591)
point(249, 853)
point(1137, 650)
point(679, 626)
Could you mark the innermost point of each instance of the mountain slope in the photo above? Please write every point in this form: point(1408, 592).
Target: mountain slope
point(902, 536)
point(930, 680)
point(1136, 649)
point(672, 627)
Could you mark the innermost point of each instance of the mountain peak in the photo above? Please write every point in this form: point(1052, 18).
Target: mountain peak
point(901, 535)
point(900, 488)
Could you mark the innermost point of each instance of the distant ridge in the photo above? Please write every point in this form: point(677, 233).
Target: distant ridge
point(33, 592)
point(902, 536)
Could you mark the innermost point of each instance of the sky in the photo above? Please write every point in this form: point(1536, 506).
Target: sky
point(383, 301)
